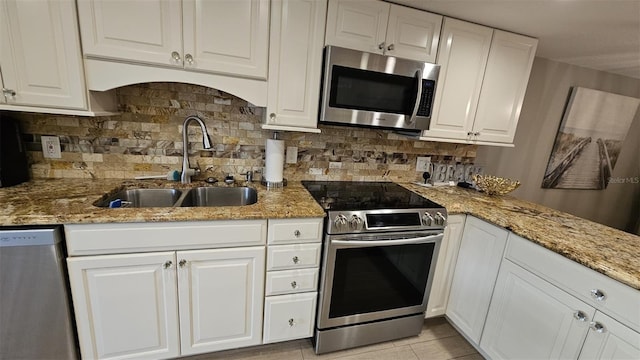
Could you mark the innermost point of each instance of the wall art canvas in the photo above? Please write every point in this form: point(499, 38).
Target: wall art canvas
point(593, 128)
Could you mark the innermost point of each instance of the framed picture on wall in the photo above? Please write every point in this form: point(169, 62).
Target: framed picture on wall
point(593, 128)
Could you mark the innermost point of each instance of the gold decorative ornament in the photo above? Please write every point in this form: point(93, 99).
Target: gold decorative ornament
point(493, 185)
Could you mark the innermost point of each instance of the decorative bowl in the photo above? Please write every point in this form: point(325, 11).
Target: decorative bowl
point(493, 185)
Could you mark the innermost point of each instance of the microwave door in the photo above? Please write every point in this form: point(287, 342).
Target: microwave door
point(416, 106)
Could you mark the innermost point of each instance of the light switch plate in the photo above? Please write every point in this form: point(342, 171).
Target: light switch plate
point(292, 155)
point(51, 147)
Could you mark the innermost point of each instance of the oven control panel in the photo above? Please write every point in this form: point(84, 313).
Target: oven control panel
point(345, 222)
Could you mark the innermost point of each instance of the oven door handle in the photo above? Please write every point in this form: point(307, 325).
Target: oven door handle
point(371, 243)
point(416, 106)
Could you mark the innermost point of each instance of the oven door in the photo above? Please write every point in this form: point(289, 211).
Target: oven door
point(368, 278)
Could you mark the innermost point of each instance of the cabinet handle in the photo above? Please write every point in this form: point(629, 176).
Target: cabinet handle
point(292, 323)
point(580, 316)
point(182, 263)
point(381, 46)
point(597, 327)
point(295, 259)
point(598, 295)
point(168, 264)
point(176, 56)
point(296, 233)
point(189, 59)
point(390, 47)
point(294, 284)
point(8, 92)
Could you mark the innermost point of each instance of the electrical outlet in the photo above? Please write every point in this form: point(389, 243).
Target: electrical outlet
point(292, 155)
point(423, 163)
point(51, 147)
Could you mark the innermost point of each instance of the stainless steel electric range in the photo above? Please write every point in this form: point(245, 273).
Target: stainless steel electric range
point(380, 248)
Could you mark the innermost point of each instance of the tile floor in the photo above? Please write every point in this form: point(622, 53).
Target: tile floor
point(438, 341)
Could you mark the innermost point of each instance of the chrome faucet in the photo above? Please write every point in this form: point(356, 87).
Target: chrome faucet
point(187, 171)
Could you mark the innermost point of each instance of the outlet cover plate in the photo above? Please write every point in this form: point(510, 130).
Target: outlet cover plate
point(292, 155)
point(51, 147)
point(423, 163)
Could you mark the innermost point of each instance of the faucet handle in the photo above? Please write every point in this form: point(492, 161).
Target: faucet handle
point(248, 176)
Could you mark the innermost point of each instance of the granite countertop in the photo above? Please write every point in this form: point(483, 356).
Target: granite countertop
point(604, 249)
point(70, 201)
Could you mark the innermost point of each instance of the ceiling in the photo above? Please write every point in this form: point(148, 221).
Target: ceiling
point(598, 34)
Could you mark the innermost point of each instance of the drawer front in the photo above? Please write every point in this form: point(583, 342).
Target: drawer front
point(282, 257)
point(620, 301)
point(292, 231)
point(96, 239)
point(291, 281)
point(288, 317)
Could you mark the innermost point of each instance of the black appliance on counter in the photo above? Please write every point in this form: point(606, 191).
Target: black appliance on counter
point(14, 167)
point(380, 246)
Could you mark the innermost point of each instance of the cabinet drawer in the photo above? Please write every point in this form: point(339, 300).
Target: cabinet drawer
point(281, 257)
point(620, 301)
point(291, 281)
point(288, 231)
point(288, 317)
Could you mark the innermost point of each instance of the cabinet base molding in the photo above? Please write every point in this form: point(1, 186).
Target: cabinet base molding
point(460, 141)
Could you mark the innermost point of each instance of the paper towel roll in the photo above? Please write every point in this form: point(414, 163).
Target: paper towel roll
point(274, 158)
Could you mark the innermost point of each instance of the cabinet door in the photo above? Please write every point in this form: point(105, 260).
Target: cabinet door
point(462, 56)
point(146, 31)
point(230, 37)
point(125, 305)
point(358, 25)
point(477, 267)
point(504, 85)
point(530, 318)
point(413, 34)
point(443, 274)
point(613, 341)
point(40, 54)
point(297, 35)
point(221, 294)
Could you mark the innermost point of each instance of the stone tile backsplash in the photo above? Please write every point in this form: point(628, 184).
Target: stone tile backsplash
point(146, 139)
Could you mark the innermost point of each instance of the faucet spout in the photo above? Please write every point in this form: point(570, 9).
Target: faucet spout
point(187, 171)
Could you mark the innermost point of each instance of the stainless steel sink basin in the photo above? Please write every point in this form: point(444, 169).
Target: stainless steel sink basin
point(220, 196)
point(142, 198)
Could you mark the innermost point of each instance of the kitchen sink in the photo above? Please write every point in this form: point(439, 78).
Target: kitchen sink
point(142, 198)
point(219, 196)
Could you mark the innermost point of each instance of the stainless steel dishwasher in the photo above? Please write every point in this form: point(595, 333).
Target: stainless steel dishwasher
point(35, 314)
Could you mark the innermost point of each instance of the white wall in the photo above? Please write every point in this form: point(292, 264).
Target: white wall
point(549, 86)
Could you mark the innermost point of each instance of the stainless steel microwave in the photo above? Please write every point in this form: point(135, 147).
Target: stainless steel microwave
point(365, 89)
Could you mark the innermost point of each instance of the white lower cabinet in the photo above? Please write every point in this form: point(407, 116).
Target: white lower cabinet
point(172, 303)
point(609, 339)
point(292, 278)
point(475, 275)
point(530, 318)
point(445, 267)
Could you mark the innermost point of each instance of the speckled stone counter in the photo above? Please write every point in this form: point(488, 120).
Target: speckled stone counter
point(70, 201)
point(604, 249)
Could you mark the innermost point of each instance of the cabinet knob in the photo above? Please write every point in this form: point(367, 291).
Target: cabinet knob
point(294, 285)
point(272, 116)
point(476, 133)
point(295, 260)
point(390, 47)
point(189, 59)
point(182, 263)
point(597, 327)
point(381, 46)
point(292, 323)
point(580, 316)
point(296, 233)
point(176, 56)
point(598, 295)
point(8, 92)
point(168, 264)
point(469, 133)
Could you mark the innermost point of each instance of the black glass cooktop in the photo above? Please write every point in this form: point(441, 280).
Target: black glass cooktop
point(353, 196)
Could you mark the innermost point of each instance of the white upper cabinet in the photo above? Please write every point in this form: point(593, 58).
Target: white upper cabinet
point(295, 67)
point(383, 28)
point(40, 54)
point(229, 37)
point(483, 80)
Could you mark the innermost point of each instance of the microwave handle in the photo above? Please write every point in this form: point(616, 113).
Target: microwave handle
point(418, 96)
